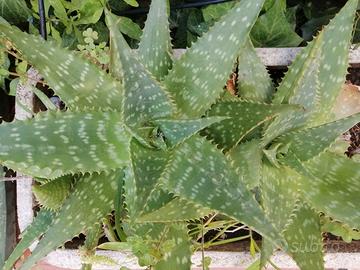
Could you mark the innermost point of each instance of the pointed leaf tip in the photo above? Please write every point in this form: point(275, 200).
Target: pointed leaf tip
point(197, 78)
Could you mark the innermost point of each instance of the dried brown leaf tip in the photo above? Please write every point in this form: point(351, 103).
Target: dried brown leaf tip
point(231, 84)
point(348, 101)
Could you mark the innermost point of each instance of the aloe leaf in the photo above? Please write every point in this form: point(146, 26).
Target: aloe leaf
point(298, 87)
point(92, 199)
point(303, 235)
point(147, 166)
point(176, 131)
point(279, 192)
point(244, 117)
point(179, 257)
point(196, 79)
point(76, 81)
point(93, 235)
point(175, 211)
point(147, 202)
point(254, 82)
point(144, 196)
point(144, 97)
point(199, 172)
point(334, 61)
point(55, 143)
point(157, 199)
point(307, 143)
point(37, 228)
point(307, 83)
point(247, 159)
point(130, 196)
point(267, 250)
point(332, 187)
point(279, 188)
point(303, 73)
point(3, 219)
point(140, 188)
point(155, 44)
point(52, 195)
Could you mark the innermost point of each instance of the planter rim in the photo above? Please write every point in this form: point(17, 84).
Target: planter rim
point(282, 57)
point(69, 259)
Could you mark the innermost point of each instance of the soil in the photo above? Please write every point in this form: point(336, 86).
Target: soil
point(354, 76)
point(278, 73)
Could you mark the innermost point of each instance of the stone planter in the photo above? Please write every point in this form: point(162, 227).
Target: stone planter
point(69, 259)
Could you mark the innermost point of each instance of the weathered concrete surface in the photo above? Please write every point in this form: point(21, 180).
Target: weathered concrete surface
point(69, 259)
point(282, 57)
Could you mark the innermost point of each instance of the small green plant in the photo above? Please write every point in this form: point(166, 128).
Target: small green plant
point(97, 53)
point(159, 142)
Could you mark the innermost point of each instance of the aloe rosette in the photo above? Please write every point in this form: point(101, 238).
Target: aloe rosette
point(160, 142)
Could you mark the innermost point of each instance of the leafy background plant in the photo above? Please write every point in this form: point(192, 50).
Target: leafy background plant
point(152, 138)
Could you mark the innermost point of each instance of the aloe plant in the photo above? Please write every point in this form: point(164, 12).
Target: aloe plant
point(160, 142)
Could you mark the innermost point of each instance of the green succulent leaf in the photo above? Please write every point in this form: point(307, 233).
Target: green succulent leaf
point(88, 257)
point(331, 184)
point(247, 159)
point(307, 143)
point(147, 166)
point(155, 45)
point(334, 60)
point(92, 199)
point(52, 195)
point(176, 131)
point(267, 250)
point(303, 235)
point(76, 81)
point(196, 81)
point(279, 192)
point(178, 256)
point(307, 83)
point(175, 211)
point(37, 228)
point(199, 172)
point(55, 143)
point(145, 201)
point(244, 117)
point(303, 73)
point(299, 86)
point(254, 82)
point(144, 97)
